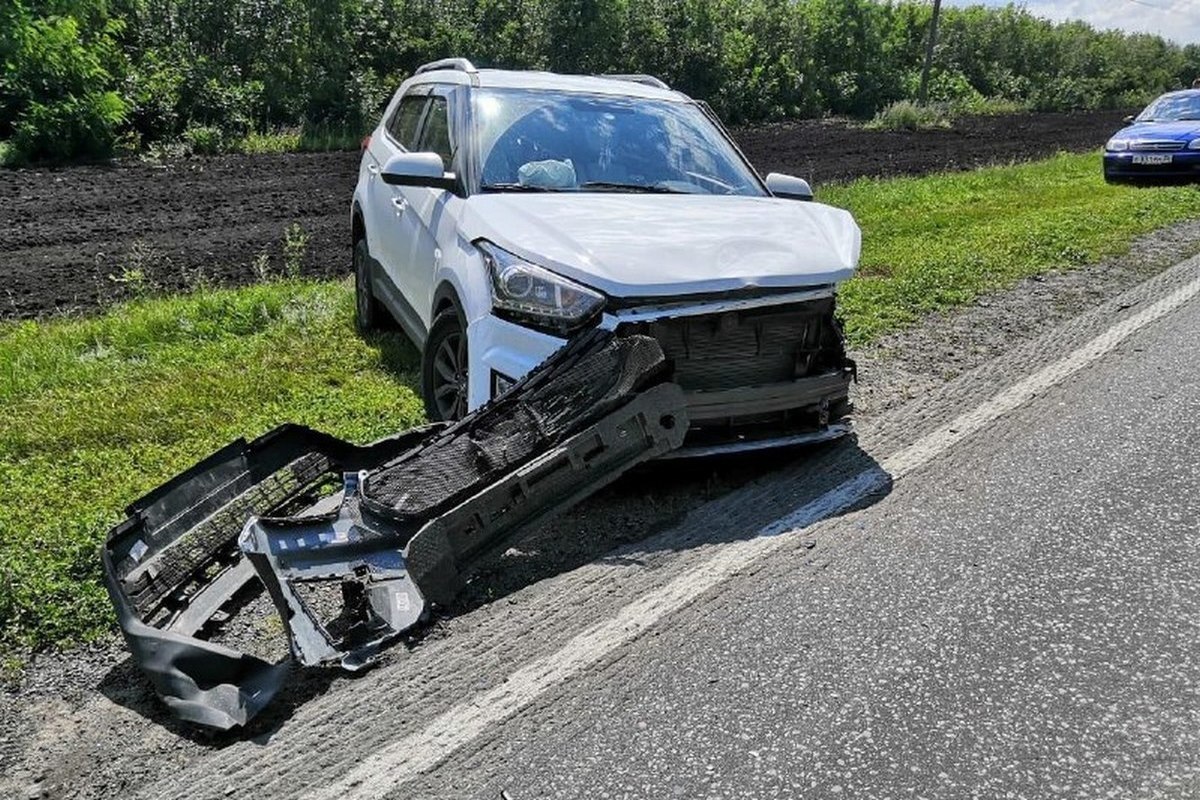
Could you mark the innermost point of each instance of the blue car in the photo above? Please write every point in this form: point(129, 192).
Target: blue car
point(1162, 142)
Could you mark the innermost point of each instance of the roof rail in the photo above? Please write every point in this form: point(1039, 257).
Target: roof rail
point(646, 80)
point(459, 64)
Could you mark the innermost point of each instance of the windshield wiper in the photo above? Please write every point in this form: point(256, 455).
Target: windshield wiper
point(517, 187)
point(629, 187)
point(603, 186)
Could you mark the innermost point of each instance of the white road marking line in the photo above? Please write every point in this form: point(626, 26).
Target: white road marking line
point(400, 761)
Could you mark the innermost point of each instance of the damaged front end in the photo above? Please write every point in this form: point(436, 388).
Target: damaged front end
point(759, 373)
point(389, 528)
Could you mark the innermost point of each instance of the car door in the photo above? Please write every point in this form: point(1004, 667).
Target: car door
point(432, 209)
point(392, 231)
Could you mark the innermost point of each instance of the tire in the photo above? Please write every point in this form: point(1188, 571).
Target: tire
point(369, 313)
point(444, 378)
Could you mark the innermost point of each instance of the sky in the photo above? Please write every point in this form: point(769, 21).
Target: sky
point(1174, 19)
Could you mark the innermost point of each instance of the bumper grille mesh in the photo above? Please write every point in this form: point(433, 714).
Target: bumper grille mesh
point(1156, 146)
point(753, 347)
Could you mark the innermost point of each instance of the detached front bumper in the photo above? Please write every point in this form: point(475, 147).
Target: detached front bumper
point(1178, 165)
point(414, 516)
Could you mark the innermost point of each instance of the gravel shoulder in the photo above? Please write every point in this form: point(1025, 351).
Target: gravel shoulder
point(905, 365)
point(70, 716)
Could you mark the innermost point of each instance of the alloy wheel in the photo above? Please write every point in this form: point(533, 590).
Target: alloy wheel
point(450, 376)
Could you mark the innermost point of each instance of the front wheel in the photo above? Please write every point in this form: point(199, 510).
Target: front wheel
point(444, 368)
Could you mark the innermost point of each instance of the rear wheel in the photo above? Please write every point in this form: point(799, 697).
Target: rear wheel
point(369, 313)
point(444, 367)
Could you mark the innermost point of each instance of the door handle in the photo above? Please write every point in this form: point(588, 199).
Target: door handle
point(400, 204)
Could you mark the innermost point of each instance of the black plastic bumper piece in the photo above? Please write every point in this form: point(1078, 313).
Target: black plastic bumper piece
point(174, 564)
point(395, 525)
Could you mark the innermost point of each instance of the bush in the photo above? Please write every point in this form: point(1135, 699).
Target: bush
point(284, 141)
point(1068, 94)
point(993, 106)
point(204, 140)
point(949, 87)
point(57, 86)
point(906, 115)
point(72, 127)
point(217, 96)
point(154, 94)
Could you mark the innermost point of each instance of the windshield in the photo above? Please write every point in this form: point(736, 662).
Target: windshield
point(568, 142)
point(1172, 107)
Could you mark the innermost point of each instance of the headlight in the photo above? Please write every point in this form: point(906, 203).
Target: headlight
point(535, 296)
point(1194, 145)
point(1116, 145)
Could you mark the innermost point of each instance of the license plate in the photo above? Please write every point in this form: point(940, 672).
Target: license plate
point(1157, 158)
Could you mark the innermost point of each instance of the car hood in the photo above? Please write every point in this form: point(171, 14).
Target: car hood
point(644, 245)
point(1182, 131)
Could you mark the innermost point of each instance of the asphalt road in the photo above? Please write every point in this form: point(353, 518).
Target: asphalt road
point(1017, 618)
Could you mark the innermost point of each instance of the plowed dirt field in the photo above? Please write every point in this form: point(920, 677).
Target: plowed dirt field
point(77, 237)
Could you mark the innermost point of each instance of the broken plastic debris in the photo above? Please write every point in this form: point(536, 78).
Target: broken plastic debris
point(414, 516)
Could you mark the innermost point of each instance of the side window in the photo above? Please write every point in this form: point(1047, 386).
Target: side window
point(403, 124)
point(435, 137)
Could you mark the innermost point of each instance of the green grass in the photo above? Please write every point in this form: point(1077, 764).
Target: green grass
point(308, 138)
point(992, 106)
point(207, 140)
point(96, 411)
point(319, 138)
point(939, 241)
point(906, 115)
point(275, 142)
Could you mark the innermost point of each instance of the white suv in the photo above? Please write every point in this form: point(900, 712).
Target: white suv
point(499, 212)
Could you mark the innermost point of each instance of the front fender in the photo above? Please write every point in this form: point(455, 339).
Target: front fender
point(463, 275)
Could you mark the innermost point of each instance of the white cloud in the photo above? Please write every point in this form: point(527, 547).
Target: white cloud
point(1175, 19)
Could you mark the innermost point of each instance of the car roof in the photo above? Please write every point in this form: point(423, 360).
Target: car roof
point(1181, 93)
point(528, 79)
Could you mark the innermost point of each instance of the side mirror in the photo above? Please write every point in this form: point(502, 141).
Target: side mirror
point(418, 169)
point(1129, 120)
point(789, 187)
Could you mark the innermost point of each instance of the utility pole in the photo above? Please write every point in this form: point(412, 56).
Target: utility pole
point(923, 93)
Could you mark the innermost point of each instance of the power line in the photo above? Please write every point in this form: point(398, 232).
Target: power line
point(1188, 13)
point(1148, 5)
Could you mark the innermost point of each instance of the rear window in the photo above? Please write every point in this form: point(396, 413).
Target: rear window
point(403, 124)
